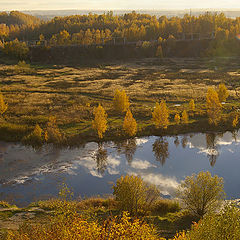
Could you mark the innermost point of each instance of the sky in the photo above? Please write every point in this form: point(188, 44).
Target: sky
point(6, 5)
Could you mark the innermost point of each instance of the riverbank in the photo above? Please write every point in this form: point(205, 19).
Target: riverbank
point(167, 217)
point(70, 93)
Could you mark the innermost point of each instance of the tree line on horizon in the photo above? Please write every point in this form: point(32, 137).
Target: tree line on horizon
point(91, 29)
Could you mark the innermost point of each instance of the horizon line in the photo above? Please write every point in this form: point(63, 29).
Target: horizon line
point(143, 9)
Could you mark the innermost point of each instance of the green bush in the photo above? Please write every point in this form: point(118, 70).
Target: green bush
point(201, 193)
point(215, 226)
point(134, 195)
point(164, 206)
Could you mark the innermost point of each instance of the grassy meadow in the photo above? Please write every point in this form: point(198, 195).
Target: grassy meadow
point(70, 93)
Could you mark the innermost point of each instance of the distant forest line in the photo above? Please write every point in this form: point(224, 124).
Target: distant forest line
point(95, 29)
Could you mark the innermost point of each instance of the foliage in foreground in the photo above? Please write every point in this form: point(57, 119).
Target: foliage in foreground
point(78, 227)
point(215, 226)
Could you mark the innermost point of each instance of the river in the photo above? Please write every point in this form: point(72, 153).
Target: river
point(28, 174)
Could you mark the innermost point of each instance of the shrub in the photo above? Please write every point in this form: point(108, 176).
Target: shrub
point(35, 138)
point(201, 193)
point(78, 227)
point(164, 206)
point(23, 67)
point(16, 49)
point(96, 202)
point(215, 226)
point(52, 133)
point(134, 195)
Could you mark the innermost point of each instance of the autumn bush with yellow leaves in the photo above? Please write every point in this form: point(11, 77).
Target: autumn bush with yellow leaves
point(79, 227)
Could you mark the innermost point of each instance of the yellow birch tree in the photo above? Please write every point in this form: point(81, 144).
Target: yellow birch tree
point(222, 92)
point(191, 105)
point(100, 120)
point(177, 118)
point(160, 115)
point(235, 121)
point(52, 133)
point(3, 105)
point(121, 101)
point(214, 107)
point(130, 124)
point(184, 117)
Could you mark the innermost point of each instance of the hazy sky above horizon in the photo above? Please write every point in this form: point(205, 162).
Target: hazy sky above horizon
point(6, 5)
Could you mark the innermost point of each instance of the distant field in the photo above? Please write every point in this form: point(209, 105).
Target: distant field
point(70, 93)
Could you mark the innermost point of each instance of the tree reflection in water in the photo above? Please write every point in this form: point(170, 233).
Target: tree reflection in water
point(212, 153)
point(184, 141)
point(101, 159)
point(127, 147)
point(160, 150)
point(176, 141)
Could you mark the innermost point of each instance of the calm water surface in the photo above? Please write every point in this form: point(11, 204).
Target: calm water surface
point(27, 174)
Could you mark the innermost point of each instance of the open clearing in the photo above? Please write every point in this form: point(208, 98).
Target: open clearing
point(70, 93)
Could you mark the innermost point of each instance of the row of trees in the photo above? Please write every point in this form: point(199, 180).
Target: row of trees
point(121, 104)
point(94, 29)
point(133, 26)
point(199, 193)
point(160, 114)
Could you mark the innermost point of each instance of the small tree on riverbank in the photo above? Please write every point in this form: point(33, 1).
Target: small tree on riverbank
point(160, 115)
point(121, 101)
point(214, 107)
point(35, 137)
point(192, 105)
point(222, 92)
point(100, 120)
point(184, 117)
point(130, 124)
point(52, 133)
point(177, 118)
point(134, 195)
point(3, 105)
point(201, 193)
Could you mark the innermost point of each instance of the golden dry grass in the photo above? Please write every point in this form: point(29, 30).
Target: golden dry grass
point(70, 93)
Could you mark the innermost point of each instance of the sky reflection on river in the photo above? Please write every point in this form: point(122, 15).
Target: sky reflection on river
point(32, 174)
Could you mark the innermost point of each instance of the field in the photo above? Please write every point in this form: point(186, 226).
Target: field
point(70, 93)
